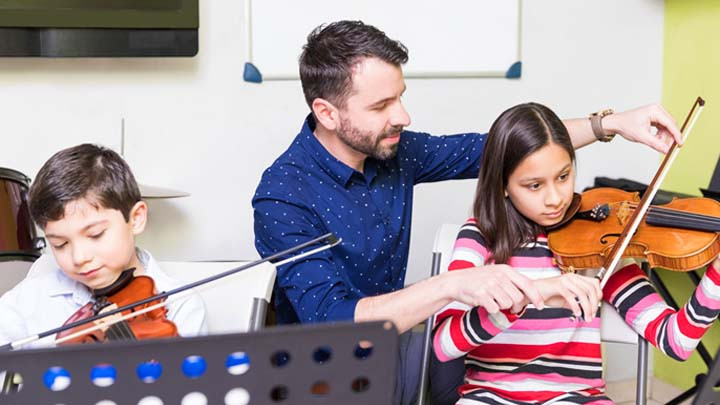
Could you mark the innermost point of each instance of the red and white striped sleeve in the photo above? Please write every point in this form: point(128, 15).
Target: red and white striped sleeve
point(675, 333)
point(459, 327)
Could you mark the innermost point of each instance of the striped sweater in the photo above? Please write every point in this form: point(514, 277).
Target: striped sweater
point(544, 355)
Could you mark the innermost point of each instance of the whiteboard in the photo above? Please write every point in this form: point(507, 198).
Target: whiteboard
point(452, 38)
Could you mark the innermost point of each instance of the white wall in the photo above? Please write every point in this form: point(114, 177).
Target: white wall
point(193, 124)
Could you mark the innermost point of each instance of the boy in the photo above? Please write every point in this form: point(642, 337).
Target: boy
point(87, 202)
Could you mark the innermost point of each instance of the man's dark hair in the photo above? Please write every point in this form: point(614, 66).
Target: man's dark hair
point(83, 171)
point(331, 53)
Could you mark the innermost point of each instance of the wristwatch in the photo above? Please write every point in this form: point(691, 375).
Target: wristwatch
point(596, 124)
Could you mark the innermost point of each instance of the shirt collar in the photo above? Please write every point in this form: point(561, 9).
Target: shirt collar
point(81, 294)
point(329, 163)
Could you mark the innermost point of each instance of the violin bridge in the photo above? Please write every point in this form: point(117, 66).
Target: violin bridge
point(625, 211)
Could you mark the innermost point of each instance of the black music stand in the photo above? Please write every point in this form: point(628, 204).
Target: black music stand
point(313, 364)
point(708, 393)
point(713, 190)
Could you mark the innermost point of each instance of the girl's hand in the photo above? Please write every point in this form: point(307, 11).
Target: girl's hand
point(716, 263)
point(579, 293)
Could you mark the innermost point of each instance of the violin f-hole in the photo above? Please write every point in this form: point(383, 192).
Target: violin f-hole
point(603, 239)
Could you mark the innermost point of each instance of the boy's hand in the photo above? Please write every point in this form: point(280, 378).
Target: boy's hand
point(579, 293)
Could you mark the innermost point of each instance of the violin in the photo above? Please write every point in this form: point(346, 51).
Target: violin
point(671, 236)
point(681, 235)
point(128, 289)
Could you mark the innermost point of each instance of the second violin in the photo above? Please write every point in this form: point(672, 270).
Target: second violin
point(126, 290)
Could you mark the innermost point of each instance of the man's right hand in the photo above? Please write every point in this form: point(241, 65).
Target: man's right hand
point(495, 287)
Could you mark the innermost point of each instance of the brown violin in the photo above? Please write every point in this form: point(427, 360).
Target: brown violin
point(128, 289)
point(602, 227)
point(682, 235)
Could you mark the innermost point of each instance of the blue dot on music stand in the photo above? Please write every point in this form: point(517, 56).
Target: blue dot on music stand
point(103, 375)
point(56, 378)
point(149, 371)
point(237, 363)
point(194, 366)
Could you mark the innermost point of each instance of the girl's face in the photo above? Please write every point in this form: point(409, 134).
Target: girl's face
point(541, 187)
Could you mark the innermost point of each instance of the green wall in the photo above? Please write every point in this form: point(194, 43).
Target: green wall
point(691, 64)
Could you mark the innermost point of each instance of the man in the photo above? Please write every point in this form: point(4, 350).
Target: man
point(351, 171)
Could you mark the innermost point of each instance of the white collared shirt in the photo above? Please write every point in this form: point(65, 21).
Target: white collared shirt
point(46, 298)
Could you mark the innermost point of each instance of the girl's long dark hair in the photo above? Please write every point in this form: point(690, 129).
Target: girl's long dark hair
point(515, 134)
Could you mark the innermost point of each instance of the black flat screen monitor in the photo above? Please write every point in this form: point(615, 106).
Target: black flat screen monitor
point(92, 28)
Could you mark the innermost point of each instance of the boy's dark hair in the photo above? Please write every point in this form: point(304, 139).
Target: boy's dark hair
point(515, 134)
point(82, 171)
point(331, 52)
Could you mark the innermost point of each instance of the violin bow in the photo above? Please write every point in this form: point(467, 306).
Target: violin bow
point(329, 239)
point(623, 241)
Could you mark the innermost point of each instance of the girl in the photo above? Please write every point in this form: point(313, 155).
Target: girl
point(531, 356)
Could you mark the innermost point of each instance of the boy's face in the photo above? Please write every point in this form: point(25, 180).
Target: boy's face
point(92, 244)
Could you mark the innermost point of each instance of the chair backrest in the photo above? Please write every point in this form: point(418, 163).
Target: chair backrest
point(613, 327)
point(230, 303)
point(13, 272)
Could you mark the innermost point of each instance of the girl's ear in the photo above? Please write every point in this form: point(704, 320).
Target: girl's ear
point(506, 194)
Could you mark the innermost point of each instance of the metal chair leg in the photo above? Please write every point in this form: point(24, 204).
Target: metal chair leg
point(427, 346)
point(642, 372)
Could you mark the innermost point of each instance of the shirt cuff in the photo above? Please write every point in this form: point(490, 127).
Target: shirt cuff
point(343, 310)
point(513, 317)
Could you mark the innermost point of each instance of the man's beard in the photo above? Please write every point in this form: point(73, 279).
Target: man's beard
point(366, 142)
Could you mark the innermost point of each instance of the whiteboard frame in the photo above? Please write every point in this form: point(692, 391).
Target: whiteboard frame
point(252, 73)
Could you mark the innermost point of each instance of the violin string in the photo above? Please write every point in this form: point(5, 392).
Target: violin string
point(684, 220)
point(681, 213)
point(669, 214)
point(676, 211)
point(693, 218)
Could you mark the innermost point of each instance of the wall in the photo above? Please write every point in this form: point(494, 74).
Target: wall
point(193, 124)
point(689, 70)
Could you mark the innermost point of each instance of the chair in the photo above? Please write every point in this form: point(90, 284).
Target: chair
point(613, 327)
point(236, 303)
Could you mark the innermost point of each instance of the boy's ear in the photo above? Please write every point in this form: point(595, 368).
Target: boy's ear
point(138, 217)
point(326, 114)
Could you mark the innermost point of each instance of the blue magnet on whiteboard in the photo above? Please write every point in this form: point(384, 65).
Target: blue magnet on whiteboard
point(515, 71)
point(251, 73)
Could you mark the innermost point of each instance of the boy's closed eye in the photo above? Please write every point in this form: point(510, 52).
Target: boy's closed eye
point(97, 235)
point(58, 246)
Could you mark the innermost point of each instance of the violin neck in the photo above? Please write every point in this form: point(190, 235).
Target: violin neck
point(120, 331)
point(684, 220)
